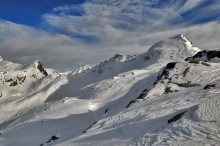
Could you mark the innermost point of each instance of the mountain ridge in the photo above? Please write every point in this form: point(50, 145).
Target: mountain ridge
point(156, 98)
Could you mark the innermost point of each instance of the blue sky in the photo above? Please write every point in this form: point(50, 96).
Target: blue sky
point(64, 33)
point(29, 12)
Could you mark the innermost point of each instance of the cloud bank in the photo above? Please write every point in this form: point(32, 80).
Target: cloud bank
point(95, 30)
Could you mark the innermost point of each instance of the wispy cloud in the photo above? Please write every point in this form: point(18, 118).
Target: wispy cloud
point(95, 30)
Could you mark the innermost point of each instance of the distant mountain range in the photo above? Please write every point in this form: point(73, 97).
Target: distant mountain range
point(169, 95)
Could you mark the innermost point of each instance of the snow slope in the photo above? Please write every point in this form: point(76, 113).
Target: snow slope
point(23, 87)
point(146, 121)
point(156, 98)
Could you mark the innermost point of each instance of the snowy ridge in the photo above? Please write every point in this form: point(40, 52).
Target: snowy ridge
point(112, 65)
point(81, 69)
point(177, 48)
point(22, 84)
point(155, 98)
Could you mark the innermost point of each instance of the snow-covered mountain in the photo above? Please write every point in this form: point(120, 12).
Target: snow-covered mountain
point(23, 87)
point(166, 96)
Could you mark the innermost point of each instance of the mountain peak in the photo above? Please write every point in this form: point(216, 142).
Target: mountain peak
point(179, 36)
point(37, 62)
point(40, 67)
point(176, 48)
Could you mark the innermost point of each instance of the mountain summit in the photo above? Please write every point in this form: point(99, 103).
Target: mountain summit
point(176, 48)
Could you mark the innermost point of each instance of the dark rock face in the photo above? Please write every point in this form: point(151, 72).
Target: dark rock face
point(130, 103)
point(140, 97)
point(143, 94)
point(199, 54)
point(54, 137)
point(209, 54)
point(89, 127)
point(14, 83)
point(41, 69)
point(168, 90)
point(186, 71)
point(194, 61)
point(175, 118)
point(206, 64)
point(171, 65)
point(10, 80)
point(188, 84)
point(212, 54)
point(209, 86)
point(106, 110)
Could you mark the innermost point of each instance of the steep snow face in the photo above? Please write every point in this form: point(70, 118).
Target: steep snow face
point(177, 48)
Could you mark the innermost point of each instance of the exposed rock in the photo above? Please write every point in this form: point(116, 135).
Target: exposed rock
point(54, 137)
point(186, 85)
point(14, 83)
point(143, 94)
point(171, 65)
point(130, 103)
point(212, 54)
point(106, 110)
point(206, 55)
point(9, 80)
point(209, 86)
point(89, 127)
point(206, 64)
point(175, 118)
point(186, 71)
point(40, 68)
point(168, 90)
point(194, 61)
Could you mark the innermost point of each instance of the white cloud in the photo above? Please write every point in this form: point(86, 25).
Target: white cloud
point(191, 4)
point(124, 23)
point(25, 44)
point(113, 27)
